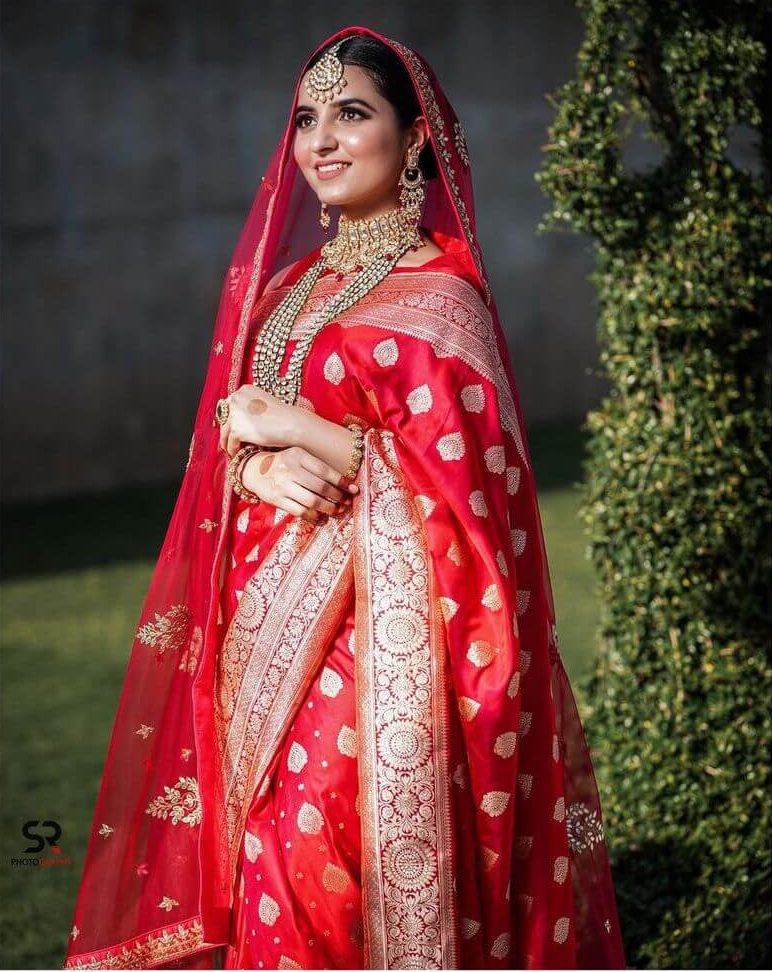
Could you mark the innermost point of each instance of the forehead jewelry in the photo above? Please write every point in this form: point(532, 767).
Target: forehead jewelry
point(326, 77)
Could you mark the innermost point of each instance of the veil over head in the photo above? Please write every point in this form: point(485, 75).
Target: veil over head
point(158, 880)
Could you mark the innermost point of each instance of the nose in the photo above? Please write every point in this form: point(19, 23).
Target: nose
point(323, 136)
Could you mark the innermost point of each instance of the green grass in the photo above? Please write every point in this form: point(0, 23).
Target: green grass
point(75, 573)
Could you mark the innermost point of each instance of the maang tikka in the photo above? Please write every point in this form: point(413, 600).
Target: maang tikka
point(325, 79)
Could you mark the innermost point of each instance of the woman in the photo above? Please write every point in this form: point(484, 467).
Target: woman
point(346, 737)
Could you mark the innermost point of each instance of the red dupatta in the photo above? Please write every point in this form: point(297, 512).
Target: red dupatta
point(473, 766)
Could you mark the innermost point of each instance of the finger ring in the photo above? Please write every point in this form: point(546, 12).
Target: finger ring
point(221, 411)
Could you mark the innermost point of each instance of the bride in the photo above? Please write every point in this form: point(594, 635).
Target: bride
point(346, 738)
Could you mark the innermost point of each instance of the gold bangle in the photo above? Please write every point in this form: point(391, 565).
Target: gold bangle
point(221, 411)
point(356, 451)
point(234, 473)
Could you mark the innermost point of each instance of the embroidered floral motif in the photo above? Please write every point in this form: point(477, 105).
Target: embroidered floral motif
point(584, 827)
point(144, 730)
point(105, 830)
point(207, 525)
point(459, 138)
point(168, 631)
point(181, 803)
point(168, 903)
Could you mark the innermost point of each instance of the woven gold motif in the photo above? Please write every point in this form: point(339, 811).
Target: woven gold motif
point(334, 878)
point(179, 803)
point(495, 802)
point(310, 819)
point(168, 631)
point(268, 909)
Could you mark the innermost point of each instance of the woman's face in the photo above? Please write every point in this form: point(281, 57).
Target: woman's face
point(359, 128)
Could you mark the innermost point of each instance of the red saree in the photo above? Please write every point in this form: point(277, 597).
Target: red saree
point(352, 743)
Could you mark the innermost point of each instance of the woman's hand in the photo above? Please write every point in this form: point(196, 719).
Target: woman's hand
point(296, 481)
point(258, 417)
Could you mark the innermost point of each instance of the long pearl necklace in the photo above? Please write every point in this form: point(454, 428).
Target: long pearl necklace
point(372, 246)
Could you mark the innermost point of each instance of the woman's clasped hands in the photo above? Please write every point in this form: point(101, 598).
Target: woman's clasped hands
point(289, 476)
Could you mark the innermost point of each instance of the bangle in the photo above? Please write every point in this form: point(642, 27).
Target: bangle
point(356, 451)
point(234, 473)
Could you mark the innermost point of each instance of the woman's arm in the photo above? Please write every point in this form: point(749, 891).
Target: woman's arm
point(328, 441)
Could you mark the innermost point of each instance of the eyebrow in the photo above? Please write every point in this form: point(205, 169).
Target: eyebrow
point(341, 102)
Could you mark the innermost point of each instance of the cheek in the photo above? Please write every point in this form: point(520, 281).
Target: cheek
point(374, 147)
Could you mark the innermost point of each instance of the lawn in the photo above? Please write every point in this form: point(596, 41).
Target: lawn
point(74, 577)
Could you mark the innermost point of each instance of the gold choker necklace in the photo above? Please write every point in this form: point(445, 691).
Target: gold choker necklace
point(361, 241)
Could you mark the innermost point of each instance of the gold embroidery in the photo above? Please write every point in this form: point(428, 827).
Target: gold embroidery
point(500, 947)
point(468, 708)
point(310, 819)
point(495, 802)
point(150, 951)
point(168, 903)
point(334, 878)
point(481, 653)
point(560, 934)
point(584, 826)
point(505, 744)
point(253, 846)
point(105, 830)
point(347, 741)
point(276, 639)
point(181, 801)
point(268, 909)
point(168, 631)
point(144, 730)
point(441, 141)
point(408, 903)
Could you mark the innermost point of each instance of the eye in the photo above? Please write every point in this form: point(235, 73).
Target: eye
point(300, 119)
point(353, 111)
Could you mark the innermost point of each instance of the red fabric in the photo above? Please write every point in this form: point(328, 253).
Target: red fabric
point(399, 661)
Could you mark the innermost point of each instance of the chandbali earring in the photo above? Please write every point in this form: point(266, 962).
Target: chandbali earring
point(412, 182)
point(324, 217)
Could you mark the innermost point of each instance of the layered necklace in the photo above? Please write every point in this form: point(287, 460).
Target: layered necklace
point(372, 247)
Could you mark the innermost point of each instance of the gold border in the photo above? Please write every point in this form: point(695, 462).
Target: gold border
point(408, 906)
point(277, 638)
point(147, 951)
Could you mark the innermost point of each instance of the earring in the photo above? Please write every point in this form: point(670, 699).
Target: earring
point(412, 182)
point(324, 217)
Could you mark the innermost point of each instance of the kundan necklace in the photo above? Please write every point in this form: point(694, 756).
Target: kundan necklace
point(372, 247)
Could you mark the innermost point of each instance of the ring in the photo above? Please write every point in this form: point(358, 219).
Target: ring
point(221, 411)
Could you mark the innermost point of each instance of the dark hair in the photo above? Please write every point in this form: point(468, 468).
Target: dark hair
point(392, 82)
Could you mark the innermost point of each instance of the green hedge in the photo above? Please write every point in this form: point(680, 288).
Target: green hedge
point(676, 497)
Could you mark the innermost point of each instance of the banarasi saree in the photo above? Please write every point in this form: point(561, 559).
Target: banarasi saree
point(352, 743)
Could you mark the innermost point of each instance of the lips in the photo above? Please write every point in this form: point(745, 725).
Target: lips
point(325, 174)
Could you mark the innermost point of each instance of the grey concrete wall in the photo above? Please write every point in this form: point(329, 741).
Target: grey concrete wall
point(134, 134)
